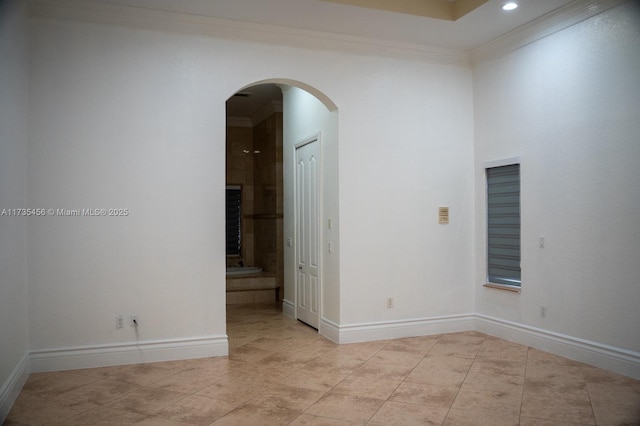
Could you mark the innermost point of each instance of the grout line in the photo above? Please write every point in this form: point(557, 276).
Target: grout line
point(524, 383)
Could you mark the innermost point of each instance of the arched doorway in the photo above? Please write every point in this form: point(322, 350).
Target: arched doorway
point(269, 217)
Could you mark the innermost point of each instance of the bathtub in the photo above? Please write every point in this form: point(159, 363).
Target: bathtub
point(233, 271)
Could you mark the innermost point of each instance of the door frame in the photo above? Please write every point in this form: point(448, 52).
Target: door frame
point(314, 138)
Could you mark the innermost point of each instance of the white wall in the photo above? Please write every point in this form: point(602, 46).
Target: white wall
point(135, 119)
point(569, 106)
point(14, 49)
point(406, 147)
point(304, 117)
point(125, 119)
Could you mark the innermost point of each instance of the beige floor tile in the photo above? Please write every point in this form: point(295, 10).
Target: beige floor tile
point(363, 350)
point(468, 399)
point(494, 382)
point(218, 366)
point(382, 370)
point(197, 410)
point(309, 420)
point(532, 421)
point(498, 366)
point(542, 357)
point(372, 387)
point(103, 416)
point(36, 410)
point(100, 392)
point(449, 363)
point(13, 423)
point(235, 390)
point(616, 414)
point(287, 396)
point(279, 368)
point(597, 375)
point(147, 400)
point(414, 344)
point(495, 348)
point(187, 381)
point(405, 414)
point(556, 388)
point(441, 370)
point(464, 337)
point(335, 362)
point(138, 374)
point(614, 393)
point(552, 371)
point(273, 344)
point(436, 377)
point(249, 353)
point(159, 421)
point(462, 350)
point(427, 395)
point(402, 358)
point(569, 410)
point(347, 407)
point(314, 380)
point(55, 383)
point(257, 415)
point(480, 417)
point(268, 372)
point(290, 360)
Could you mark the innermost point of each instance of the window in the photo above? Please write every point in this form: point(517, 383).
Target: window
point(503, 225)
point(233, 220)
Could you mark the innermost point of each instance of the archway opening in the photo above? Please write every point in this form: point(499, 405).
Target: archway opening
point(266, 121)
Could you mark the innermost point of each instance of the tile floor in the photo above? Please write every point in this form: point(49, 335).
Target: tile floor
point(282, 372)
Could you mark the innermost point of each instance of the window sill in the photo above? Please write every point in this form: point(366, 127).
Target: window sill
point(504, 287)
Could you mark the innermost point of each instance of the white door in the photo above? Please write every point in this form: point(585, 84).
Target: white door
point(307, 238)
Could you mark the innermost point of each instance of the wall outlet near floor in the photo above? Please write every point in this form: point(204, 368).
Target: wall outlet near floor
point(543, 311)
point(133, 321)
point(119, 321)
point(389, 302)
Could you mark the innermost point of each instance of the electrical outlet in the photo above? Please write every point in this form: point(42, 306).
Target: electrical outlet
point(133, 321)
point(543, 311)
point(389, 302)
point(119, 321)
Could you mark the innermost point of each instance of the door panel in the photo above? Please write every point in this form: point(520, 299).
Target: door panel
point(307, 239)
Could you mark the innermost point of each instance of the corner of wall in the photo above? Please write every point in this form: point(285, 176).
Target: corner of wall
point(13, 385)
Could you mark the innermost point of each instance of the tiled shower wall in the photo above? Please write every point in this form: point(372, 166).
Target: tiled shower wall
point(260, 175)
point(240, 172)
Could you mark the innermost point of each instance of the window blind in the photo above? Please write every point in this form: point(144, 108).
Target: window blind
point(503, 225)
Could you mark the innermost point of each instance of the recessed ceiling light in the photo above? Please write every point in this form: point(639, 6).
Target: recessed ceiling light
point(510, 5)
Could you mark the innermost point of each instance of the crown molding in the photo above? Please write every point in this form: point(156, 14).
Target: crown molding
point(561, 18)
point(107, 13)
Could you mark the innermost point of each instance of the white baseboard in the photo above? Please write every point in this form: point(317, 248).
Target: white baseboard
point(127, 353)
point(329, 329)
point(353, 333)
point(288, 309)
point(600, 355)
point(12, 386)
point(603, 356)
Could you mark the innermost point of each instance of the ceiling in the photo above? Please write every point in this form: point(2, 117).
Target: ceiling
point(465, 25)
point(440, 9)
point(248, 102)
point(481, 25)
